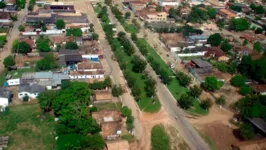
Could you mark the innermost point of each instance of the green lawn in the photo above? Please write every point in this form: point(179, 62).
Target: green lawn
point(25, 129)
point(3, 77)
point(128, 137)
point(174, 87)
point(130, 28)
point(146, 103)
point(18, 73)
point(108, 106)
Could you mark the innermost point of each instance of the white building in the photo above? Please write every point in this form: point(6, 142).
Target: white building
point(5, 96)
point(31, 90)
point(86, 74)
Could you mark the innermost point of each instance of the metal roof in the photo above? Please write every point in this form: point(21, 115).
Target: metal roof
point(43, 75)
point(201, 63)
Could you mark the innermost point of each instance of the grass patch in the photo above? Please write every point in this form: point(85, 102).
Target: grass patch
point(128, 137)
point(25, 130)
point(130, 28)
point(174, 86)
point(3, 77)
point(18, 73)
point(209, 141)
point(159, 138)
point(108, 106)
point(3, 30)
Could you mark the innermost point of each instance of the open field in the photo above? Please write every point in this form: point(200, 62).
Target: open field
point(25, 129)
point(18, 73)
point(174, 87)
point(108, 106)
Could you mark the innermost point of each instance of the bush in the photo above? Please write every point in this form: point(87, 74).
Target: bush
point(159, 138)
point(206, 104)
point(220, 101)
point(237, 81)
point(46, 63)
point(195, 91)
point(60, 24)
point(71, 45)
point(247, 131)
point(185, 101)
point(43, 44)
point(245, 90)
point(74, 32)
point(212, 84)
point(126, 111)
point(117, 90)
point(21, 28)
point(25, 98)
point(9, 61)
point(183, 78)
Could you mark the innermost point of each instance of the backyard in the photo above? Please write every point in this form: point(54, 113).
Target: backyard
point(27, 128)
point(174, 87)
point(18, 73)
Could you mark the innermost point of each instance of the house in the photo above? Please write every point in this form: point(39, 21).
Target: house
point(172, 41)
point(168, 3)
point(5, 17)
point(117, 145)
point(244, 51)
point(259, 124)
point(60, 40)
point(136, 6)
point(30, 90)
point(69, 57)
point(62, 7)
point(102, 96)
point(48, 79)
point(217, 53)
point(89, 66)
point(73, 19)
point(86, 75)
point(226, 13)
point(45, 17)
point(91, 51)
point(110, 122)
point(160, 16)
point(197, 38)
point(259, 88)
point(5, 97)
point(248, 36)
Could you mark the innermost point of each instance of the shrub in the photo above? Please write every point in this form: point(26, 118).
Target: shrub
point(237, 81)
point(244, 90)
point(25, 98)
point(159, 138)
point(206, 104)
point(9, 61)
point(220, 101)
point(247, 131)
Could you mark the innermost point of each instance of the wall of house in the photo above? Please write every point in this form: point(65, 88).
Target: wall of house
point(5, 20)
point(12, 82)
point(175, 49)
point(31, 95)
point(86, 76)
point(88, 70)
point(191, 54)
point(3, 103)
point(169, 3)
point(89, 56)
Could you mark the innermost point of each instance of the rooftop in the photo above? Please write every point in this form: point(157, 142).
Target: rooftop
point(214, 51)
point(4, 93)
point(111, 129)
point(228, 13)
point(117, 145)
point(75, 73)
point(201, 63)
point(259, 87)
point(89, 65)
point(106, 116)
point(259, 123)
point(32, 88)
point(102, 95)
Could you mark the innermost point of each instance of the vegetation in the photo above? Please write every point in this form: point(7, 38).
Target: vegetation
point(46, 63)
point(31, 5)
point(101, 85)
point(21, 28)
point(95, 36)
point(159, 138)
point(20, 4)
point(127, 15)
point(43, 44)
point(257, 9)
point(45, 100)
point(212, 84)
point(197, 15)
point(236, 8)
point(257, 46)
point(245, 90)
point(183, 79)
point(2, 5)
point(215, 39)
point(247, 131)
point(195, 91)
point(71, 45)
point(238, 81)
point(117, 90)
point(211, 12)
point(240, 24)
point(2, 41)
point(9, 62)
point(60, 24)
point(185, 101)
point(206, 104)
point(23, 48)
point(226, 47)
point(74, 32)
point(139, 64)
point(220, 101)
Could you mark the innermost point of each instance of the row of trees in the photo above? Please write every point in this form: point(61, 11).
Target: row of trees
point(70, 104)
point(126, 112)
point(201, 13)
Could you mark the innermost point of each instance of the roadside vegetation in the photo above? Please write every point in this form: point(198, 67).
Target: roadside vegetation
point(159, 138)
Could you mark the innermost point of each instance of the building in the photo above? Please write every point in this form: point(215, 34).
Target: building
point(86, 75)
point(226, 13)
point(69, 57)
point(259, 124)
point(154, 17)
point(259, 88)
point(5, 17)
point(48, 79)
point(117, 145)
point(110, 122)
point(102, 96)
point(89, 66)
point(172, 41)
point(5, 97)
point(30, 90)
point(217, 53)
point(46, 18)
point(168, 3)
point(136, 6)
point(245, 51)
point(62, 7)
point(197, 38)
point(73, 19)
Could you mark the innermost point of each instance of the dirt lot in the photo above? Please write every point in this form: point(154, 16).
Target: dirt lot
point(21, 60)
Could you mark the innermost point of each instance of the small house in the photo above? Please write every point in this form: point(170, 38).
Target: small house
point(259, 88)
point(89, 66)
point(5, 97)
point(102, 96)
point(31, 90)
point(217, 53)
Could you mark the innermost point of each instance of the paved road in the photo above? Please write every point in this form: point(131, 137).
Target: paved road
point(116, 73)
point(176, 114)
point(13, 34)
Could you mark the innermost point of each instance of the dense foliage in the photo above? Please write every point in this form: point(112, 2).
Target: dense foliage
point(46, 63)
point(195, 91)
point(74, 32)
point(183, 79)
point(9, 61)
point(43, 44)
point(212, 84)
point(60, 24)
point(185, 101)
point(240, 24)
point(215, 39)
point(71, 45)
point(238, 81)
point(159, 138)
point(23, 48)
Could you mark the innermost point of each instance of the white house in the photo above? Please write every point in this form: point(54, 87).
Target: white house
point(86, 74)
point(5, 96)
point(31, 90)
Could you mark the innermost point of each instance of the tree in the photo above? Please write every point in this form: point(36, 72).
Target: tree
point(159, 8)
point(211, 83)
point(211, 12)
point(107, 82)
point(245, 42)
point(195, 91)
point(257, 46)
point(240, 24)
point(220, 101)
point(237, 81)
point(172, 12)
point(245, 90)
point(108, 2)
point(139, 64)
point(247, 131)
point(126, 111)
point(71, 45)
point(165, 76)
point(43, 44)
point(21, 28)
point(9, 61)
point(23, 48)
point(215, 39)
point(95, 36)
point(185, 101)
point(226, 47)
point(2, 5)
point(220, 23)
point(25, 98)
point(74, 32)
point(206, 104)
point(117, 90)
point(197, 15)
point(134, 37)
point(258, 31)
point(91, 26)
point(45, 100)
point(183, 78)
point(236, 8)
point(60, 24)
point(121, 34)
point(46, 63)
point(149, 85)
point(127, 15)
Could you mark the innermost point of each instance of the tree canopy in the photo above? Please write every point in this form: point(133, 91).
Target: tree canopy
point(226, 46)
point(46, 63)
point(60, 24)
point(215, 39)
point(197, 15)
point(9, 61)
point(185, 101)
point(23, 48)
point(238, 81)
point(240, 24)
point(139, 64)
point(74, 32)
point(159, 138)
point(257, 46)
point(184, 79)
point(212, 84)
point(71, 45)
point(211, 12)
point(45, 100)
point(43, 44)
point(195, 91)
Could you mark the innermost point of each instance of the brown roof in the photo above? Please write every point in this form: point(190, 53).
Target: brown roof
point(259, 87)
point(107, 116)
point(4, 15)
point(110, 129)
point(89, 65)
point(30, 42)
point(241, 48)
point(172, 39)
point(102, 95)
point(61, 39)
point(214, 52)
point(228, 13)
point(247, 36)
point(117, 145)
